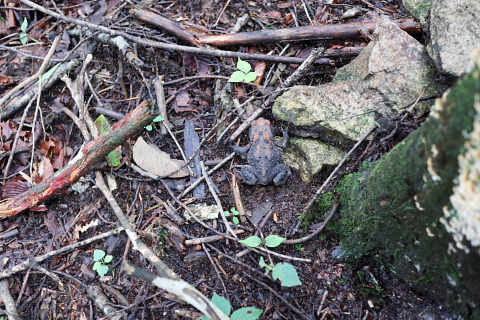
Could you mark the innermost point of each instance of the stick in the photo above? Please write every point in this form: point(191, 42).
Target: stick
point(86, 160)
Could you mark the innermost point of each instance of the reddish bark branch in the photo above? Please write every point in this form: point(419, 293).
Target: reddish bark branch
point(87, 159)
point(333, 31)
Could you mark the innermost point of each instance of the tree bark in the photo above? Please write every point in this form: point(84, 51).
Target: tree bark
point(88, 158)
point(418, 208)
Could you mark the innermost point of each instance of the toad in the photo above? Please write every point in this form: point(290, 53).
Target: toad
point(265, 164)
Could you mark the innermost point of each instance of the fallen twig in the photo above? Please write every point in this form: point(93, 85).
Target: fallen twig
point(209, 239)
point(166, 46)
point(313, 234)
point(86, 160)
point(26, 264)
point(314, 32)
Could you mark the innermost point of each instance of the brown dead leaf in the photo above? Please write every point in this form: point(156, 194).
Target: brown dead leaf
point(284, 5)
point(13, 188)
point(5, 80)
point(151, 159)
point(78, 229)
point(183, 98)
point(274, 15)
point(45, 168)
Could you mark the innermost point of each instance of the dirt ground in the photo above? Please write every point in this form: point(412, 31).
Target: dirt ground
point(56, 288)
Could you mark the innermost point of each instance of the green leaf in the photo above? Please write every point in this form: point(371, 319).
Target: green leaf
point(49, 73)
point(149, 127)
point(287, 274)
point(158, 118)
point(102, 271)
point(248, 313)
point(263, 264)
point(251, 76)
point(108, 258)
point(97, 265)
point(237, 76)
point(98, 255)
point(243, 66)
point(252, 241)
point(226, 213)
point(235, 220)
point(23, 38)
point(24, 25)
point(273, 241)
point(235, 211)
point(102, 124)
point(114, 158)
point(222, 303)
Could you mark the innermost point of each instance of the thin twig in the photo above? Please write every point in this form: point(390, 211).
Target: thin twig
point(217, 199)
point(196, 183)
point(166, 46)
point(279, 296)
point(25, 265)
point(310, 236)
point(38, 74)
point(330, 177)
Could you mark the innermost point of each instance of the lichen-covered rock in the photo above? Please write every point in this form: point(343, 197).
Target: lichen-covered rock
point(454, 34)
point(393, 70)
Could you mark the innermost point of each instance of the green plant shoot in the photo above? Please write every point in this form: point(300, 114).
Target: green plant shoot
point(158, 118)
point(248, 313)
point(23, 35)
point(233, 212)
point(244, 72)
point(114, 158)
point(101, 259)
point(283, 271)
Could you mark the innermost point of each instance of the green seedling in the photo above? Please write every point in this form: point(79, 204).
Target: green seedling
point(233, 213)
point(248, 313)
point(23, 35)
point(271, 241)
point(244, 72)
point(283, 271)
point(157, 119)
point(101, 259)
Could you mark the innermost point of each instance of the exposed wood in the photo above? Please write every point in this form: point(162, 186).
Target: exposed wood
point(334, 31)
point(165, 24)
point(87, 159)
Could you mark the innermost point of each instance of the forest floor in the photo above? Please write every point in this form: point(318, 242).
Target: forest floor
point(56, 288)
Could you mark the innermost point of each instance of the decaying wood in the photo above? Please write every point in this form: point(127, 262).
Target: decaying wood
point(334, 31)
point(86, 160)
point(167, 25)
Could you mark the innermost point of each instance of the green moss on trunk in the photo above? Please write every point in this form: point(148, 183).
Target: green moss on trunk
point(392, 209)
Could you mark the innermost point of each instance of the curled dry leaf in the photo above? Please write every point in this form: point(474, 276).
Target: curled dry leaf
point(151, 159)
point(13, 188)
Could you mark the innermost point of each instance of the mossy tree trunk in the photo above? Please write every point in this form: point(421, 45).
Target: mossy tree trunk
point(418, 208)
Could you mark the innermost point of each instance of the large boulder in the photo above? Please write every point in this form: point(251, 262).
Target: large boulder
point(454, 34)
point(393, 70)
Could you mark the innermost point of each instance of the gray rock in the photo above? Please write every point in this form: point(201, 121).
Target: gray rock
point(454, 33)
point(310, 155)
point(393, 70)
point(420, 9)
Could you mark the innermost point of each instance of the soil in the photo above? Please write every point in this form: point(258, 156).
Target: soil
point(332, 288)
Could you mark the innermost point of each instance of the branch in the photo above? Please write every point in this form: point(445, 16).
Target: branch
point(86, 160)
